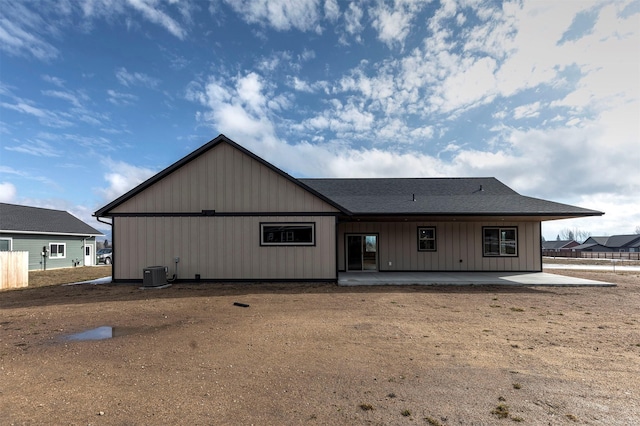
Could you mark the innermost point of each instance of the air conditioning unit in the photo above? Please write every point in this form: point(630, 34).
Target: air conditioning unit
point(154, 276)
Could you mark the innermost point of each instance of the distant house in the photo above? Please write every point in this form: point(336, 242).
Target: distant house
point(53, 238)
point(613, 243)
point(558, 246)
point(226, 214)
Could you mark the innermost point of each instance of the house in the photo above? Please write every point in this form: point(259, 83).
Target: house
point(558, 247)
point(224, 214)
point(53, 238)
point(614, 243)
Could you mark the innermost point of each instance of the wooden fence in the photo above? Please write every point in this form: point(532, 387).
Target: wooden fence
point(624, 255)
point(14, 269)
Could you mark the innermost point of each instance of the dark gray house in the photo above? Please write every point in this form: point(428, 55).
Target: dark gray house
point(558, 246)
point(53, 238)
point(228, 215)
point(613, 243)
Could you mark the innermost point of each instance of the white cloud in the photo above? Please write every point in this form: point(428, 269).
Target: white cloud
point(37, 148)
point(7, 192)
point(23, 32)
point(352, 17)
point(127, 78)
point(527, 111)
point(281, 15)
point(46, 117)
point(67, 96)
point(149, 11)
point(393, 24)
point(119, 98)
point(331, 10)
point(121, 177)
point(621, 216)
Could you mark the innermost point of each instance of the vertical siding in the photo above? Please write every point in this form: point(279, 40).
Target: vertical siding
point(220, 248)
point(459, 246)
point(226, 180)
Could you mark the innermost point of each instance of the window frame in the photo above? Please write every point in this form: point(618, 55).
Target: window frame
point(500, 229)
point(10, 240)
point(264, 243)
point(57, 256)
point(434, 239)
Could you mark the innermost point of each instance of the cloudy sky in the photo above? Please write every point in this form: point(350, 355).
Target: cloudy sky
point(98, 95)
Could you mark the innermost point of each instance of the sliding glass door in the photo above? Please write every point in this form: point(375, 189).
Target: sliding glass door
point(362, 252)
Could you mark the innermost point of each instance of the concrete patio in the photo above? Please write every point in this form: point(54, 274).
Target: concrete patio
point(465, 278)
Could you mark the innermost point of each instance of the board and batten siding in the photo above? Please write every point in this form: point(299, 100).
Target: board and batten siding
point(459, 246)
point(221, 248)
point(165, 221)
point(224, 179)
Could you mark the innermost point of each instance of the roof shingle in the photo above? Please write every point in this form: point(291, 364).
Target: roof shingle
point(15, 218)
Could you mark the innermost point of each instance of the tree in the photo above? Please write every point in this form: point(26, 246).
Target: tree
point(574, 234)
point(638, 230)
point(106, 243)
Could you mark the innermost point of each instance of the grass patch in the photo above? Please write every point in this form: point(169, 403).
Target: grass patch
point(517, 309)
point(432, 421)
point(405, 413)
point(501, 411)
point(517, 419)
point(67, 275)
point(366, 407)
point(517, 386)
point(571, 417)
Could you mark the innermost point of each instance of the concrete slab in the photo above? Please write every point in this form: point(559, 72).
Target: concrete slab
point(465, 278)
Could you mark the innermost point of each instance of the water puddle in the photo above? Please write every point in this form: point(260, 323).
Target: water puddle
point(99, 333)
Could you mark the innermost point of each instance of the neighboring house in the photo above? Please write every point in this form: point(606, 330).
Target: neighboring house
point(228, 215)
point(66, 240)
point(558, 246)
point(614, 243)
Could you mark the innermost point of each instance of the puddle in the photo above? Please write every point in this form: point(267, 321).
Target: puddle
point(99, 333)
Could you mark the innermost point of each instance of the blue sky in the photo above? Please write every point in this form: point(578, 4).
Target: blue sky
point(98, 95)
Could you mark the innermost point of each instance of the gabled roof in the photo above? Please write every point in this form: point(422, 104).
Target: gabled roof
point(438, 196)
point(616, 241)
point(36, 220)
point(585, 246)
point(104, 211)
point(558, 244)
point(398, 196)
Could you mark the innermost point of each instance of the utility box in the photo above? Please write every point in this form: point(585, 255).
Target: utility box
point(154, 276)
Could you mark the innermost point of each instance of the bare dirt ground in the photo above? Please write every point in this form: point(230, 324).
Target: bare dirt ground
point(321, 354)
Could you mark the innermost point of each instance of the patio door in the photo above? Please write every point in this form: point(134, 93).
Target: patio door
point(362, 252)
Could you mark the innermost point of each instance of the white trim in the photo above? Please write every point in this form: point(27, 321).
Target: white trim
point(64, 256)
point(10, 242)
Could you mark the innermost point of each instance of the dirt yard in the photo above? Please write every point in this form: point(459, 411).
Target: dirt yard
point(321, 354)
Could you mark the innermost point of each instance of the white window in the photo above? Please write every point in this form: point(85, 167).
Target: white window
point(427, 238)
point(287, 234)
point(5, 244)
point(57, 250)
point(500, 241)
